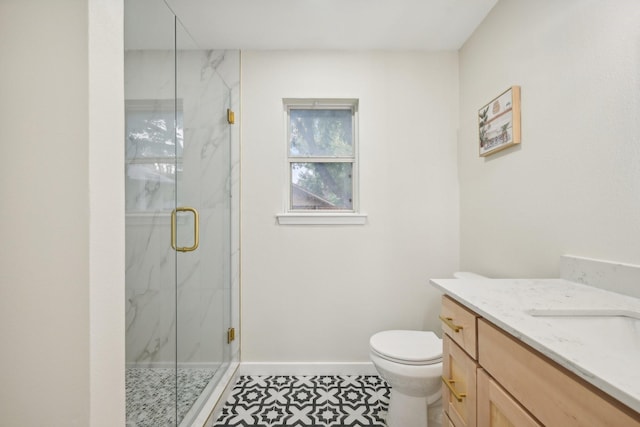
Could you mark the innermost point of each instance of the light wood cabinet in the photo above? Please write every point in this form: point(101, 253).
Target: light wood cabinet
point(447, 421)
point(459, 378)
point(555, 396)
point(459, 364)
point(459, 323)
point(496, 408)
point(506, 383)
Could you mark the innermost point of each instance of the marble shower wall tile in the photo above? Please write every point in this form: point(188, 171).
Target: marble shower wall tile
point(150, 291)
point(608, 275)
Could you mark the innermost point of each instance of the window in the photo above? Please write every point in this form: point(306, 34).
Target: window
point(322, 162)
point(321, 137)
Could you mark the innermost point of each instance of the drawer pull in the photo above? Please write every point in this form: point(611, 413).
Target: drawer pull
point(449, 322)
point(449, 384)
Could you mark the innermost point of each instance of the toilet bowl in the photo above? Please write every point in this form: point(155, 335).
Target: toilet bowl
point(411, 363)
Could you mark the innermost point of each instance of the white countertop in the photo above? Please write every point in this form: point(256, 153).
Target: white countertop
point(606, 356)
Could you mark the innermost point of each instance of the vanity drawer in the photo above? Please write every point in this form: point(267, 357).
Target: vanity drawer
point(459, 384)
point(555, 396)
point(460, 324)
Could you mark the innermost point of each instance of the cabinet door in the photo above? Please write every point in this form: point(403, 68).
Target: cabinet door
point(459, 388)
point(447, 421)
point(496, 408)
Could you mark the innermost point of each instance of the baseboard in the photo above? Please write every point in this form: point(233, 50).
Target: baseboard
point(307, 368)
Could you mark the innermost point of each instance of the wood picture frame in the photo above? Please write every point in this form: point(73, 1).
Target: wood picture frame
point(499, 122)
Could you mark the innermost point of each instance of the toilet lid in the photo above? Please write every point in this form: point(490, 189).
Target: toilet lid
point(412, 347)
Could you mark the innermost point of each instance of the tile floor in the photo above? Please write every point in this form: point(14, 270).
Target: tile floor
point(151, 394)
point(306, 401)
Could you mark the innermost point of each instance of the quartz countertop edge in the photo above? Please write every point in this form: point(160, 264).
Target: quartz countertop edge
point(508, 304)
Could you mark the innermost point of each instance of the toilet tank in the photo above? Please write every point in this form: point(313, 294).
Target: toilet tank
point(467, 275)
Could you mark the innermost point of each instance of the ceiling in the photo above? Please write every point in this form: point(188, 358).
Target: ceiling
point(308, 24)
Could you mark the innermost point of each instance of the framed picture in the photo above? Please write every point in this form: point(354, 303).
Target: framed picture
point(499, 122)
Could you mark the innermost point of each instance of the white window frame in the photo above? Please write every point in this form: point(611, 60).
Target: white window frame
point(315, 217)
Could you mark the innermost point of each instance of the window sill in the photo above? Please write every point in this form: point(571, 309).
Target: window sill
point(321, 219)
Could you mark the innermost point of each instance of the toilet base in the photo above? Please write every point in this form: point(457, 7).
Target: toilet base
point(407, 411)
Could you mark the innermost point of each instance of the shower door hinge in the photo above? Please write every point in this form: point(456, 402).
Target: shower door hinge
point(231, 335)
point(231, 117)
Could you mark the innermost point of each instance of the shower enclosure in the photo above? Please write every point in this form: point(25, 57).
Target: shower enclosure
point(181, 168)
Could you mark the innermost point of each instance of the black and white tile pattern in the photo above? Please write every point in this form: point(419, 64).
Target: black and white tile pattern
point(306, 401)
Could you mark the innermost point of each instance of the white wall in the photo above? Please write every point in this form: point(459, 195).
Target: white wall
point(45, 221)
point(61, 269)
point(316, 293)
point(573, 186)
point(106, 214)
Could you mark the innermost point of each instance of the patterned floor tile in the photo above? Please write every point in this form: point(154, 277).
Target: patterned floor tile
point(306, 401)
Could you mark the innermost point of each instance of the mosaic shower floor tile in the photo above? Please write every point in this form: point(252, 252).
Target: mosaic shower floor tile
point(306, 401)
point(151, 394)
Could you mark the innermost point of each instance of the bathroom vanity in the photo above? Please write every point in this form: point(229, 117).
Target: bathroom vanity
point(546, 352)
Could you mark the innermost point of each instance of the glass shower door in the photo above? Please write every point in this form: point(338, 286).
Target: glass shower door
point(202, 224)
point(178, 218)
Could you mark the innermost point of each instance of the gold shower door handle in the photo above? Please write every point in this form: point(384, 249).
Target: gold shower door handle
point(196, 229)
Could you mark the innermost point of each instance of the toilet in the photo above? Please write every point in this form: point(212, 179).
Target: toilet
point(411, 363)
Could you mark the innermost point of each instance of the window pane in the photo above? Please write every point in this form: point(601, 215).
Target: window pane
point(322, 186)
point(319, 132)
